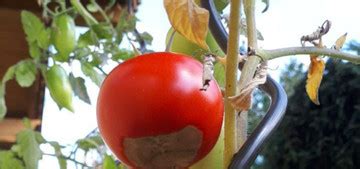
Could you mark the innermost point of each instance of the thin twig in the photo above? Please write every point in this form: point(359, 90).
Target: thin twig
point(68, 158)
point(276, 53)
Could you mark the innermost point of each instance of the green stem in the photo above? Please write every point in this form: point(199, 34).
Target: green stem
point(230, 81)
point(250, 65)
point(276, 53)
point(102, 12)
point(89, 19)
point(68, 158)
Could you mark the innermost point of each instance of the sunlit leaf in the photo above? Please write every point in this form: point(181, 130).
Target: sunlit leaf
point(61, 160)
point(122, 54)
point(89, 71)
point(340, 42)
point(79, 87)
point(146, 37)
point(109, 163)
point(34, 50)
point(314, 77)
point(27, 123)
point(126, 22)
point(102, 31)
point(92, 7)
point(25, 73)
point(10, 73)
point(44, 38)
point(86, 39)
point(8, 160)
point(29, 148)
point(3, 108)
point(92, 142)
point(32, 25)
point(221, 4)
point(188, 19)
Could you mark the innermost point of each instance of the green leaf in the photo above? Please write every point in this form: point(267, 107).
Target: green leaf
point(34, 50)
point(3, 108)
point(146, 37)
point(25, 73)
point(267, 3)
point(109, 163)
point(82, 52)
point(92, 142)
point(102, 31)
point(126, 22)
point(39, 138)
point(44, 38)
point(92, 7)
point(59, 154)
point(9, 161)
point(29, 148)
point(79, 88)
point(87, 39)
point(9, 74)
point(31, 25)
point(89, 71)
point(122, 54)
point(98, 58)
point(27, 123)
point(221, 4)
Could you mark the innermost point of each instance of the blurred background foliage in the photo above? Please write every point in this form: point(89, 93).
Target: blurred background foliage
point(310, 136)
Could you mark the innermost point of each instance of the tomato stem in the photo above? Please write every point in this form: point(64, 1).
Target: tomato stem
point(230, 83)
point(276, 53)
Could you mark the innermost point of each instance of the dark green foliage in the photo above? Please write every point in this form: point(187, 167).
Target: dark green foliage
point(320, 137)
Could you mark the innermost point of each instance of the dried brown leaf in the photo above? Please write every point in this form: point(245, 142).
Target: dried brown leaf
point(314, 78)
point(340, 42)
point(189, 20)
point(242, 101)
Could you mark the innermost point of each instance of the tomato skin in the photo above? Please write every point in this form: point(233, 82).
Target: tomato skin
point(154, 94)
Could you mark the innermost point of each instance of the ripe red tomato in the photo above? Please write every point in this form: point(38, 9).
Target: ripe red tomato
point(152, 113)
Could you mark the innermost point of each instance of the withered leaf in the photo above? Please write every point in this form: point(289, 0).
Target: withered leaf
point(340, 42)
point(314, 77)
point(189, 20)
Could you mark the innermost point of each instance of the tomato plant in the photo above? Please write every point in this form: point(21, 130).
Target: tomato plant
point(151, 111)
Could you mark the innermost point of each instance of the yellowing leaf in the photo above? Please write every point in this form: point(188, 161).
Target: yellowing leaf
point(340, 42)
point(314, 77)
point(189, 20)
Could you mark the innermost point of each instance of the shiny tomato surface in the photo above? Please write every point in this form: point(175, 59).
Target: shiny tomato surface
point(158, 94)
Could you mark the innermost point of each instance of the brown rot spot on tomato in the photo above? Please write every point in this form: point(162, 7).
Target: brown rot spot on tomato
point(174, 150)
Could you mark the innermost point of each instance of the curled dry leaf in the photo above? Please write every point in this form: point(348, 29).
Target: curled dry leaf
point(189, 20)
point(340, 42)
point(314, 78)
point(208, 70)
point(242, 101)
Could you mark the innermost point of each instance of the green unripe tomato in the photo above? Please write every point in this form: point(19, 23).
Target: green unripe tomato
point(63, 35)
point(59, 86)
point(181, 45)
